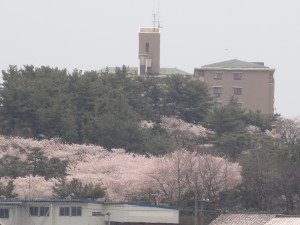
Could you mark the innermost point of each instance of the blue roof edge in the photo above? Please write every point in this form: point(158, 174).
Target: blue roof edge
point(20, 201)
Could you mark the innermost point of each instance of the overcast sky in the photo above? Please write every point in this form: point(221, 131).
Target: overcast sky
point(92, 34)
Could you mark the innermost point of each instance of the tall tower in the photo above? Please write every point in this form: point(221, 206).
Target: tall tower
point(149, 50)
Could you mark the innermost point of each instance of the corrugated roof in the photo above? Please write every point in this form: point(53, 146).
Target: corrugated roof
point(21, 201)
point(234, 63)
point(284, 221)
point(243, 219)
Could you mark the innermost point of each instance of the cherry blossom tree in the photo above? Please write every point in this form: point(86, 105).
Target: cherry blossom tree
point(185, 135)
point(123, 175)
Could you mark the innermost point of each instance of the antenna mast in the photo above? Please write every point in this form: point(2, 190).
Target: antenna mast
point(154, 21)
point(158, 21)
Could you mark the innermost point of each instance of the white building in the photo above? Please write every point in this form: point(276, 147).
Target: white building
point(81, 212)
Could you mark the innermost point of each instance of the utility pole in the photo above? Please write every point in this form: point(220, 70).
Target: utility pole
point(196, 207)
point(108, 218)
point(201, 212)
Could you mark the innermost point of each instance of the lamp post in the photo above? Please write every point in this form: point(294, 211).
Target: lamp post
point(202, 200)
point(108, 218)
point(202, 210)
point(196, 208)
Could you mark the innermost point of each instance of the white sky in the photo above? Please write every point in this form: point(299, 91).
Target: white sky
point(92, 34)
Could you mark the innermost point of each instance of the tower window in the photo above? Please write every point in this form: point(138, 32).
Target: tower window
point(147, 47)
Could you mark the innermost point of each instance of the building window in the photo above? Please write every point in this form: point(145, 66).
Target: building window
point(4, 213)
point(38, 211)
point(237, 76)
point(64, 211)
point(44, 211)
point(218, 76)
point(34, 211)
point(147, 47)
point(217, 90)
point(70, 211)
point(75, 211)
point(237, 91)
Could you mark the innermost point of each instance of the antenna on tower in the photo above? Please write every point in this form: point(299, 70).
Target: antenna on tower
point(158, 21)
point(154, 20)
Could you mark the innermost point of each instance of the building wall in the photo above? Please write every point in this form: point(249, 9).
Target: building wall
point(92, 214)
point(152, 37)
point(135, 214)
point(257, 87)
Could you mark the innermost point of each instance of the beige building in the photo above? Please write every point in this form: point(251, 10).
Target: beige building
point(251, 83)
point(149, 51)
point(81, 212)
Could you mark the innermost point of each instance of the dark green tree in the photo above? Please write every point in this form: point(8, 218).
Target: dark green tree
point(12, 166)
point(37, 162)
point(75, 189)
point(186, 98)
point(7, 191)
point(56, 168)
point(227, 119)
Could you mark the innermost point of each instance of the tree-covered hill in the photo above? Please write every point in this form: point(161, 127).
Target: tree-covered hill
point(98, 108)
point(167, 128)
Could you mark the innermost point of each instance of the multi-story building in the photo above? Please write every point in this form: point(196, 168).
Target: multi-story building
point(250, 83)
point(149, 51)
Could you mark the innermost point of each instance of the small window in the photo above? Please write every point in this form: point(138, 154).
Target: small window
point(38, 211)
point(44, 211)
point(237, 76)
point(75, 211)
point(147, 47)
point(218, 76)
point(34, 211)
point(70, 211)
point(64, 211)
point(237, 91)
point(217, 90)
point(4, 213)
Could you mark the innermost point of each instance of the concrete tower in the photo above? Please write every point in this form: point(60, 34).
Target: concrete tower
point(149, 51)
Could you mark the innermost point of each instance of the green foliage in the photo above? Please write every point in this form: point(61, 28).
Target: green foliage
point(186, 99)
point(231, 145)
point(226, 119)
point(37, 162)
point(12, 166)
point(56, 168)
point(7, 191)
point(103, 109)
point(75, 189)
point(264, 122)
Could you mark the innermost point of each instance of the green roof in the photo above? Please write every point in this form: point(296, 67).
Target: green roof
point(172, 71)
point(234, 63)
point(163, 71)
